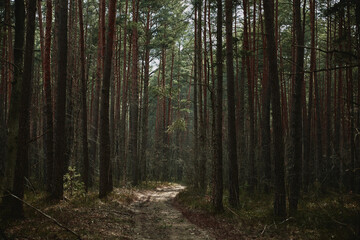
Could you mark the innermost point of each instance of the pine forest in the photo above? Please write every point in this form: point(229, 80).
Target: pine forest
point(180, 119)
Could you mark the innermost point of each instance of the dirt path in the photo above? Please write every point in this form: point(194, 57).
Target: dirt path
point(155, 217)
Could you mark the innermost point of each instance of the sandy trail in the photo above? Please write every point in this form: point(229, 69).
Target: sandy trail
point(156, 218)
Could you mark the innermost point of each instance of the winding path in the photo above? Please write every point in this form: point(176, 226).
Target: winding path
point(156, 218)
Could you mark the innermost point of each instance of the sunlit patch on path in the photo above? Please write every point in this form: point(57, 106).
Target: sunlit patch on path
point(155, 218)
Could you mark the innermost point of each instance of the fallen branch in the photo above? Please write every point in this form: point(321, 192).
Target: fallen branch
point(274, 224)
point(290, 218)
point(45, 215)
point(232, 211)
point(263, 230)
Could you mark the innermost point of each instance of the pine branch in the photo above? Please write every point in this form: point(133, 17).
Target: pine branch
point(45, 215)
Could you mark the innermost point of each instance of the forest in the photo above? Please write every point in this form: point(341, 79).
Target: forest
point(180, 119)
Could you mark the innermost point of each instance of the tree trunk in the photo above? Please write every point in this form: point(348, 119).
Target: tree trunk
point(265, 129)
point(60, 136)
point(357, 166)
point(218, 168)
point(201, 86)
point(49, 140)
point(279, 198)
point(134, 104)
point(295, 145)
point(22, 157)
point(105, 185)
point(328, 111)
point(145, 117)
point(83, 98)
point(195, 103)
point(251, 149)
point(233, 165)
point(13, 118)
point(122, 127)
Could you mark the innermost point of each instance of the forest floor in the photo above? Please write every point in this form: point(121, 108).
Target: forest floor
point(169, 211)
point(144, 213)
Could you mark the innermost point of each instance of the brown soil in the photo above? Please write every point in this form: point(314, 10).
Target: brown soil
point(125, 214)
point(156, 218)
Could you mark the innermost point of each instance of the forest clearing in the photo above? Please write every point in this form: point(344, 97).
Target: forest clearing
point(180, 119)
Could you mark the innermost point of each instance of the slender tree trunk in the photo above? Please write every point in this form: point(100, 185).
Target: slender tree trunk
point(105, 185)
point(251, 149)
point(279, 198)
point(3, 91)
point(195, 103)
point(22, 158)
point(49, 140)
point(329, 111)
point(122, 130)
point(134, 104)
point(233, 165)
point(265, 129)
point(15, 103)
point(60, 136)
point(201, 86)
point(83, 98)
point(145, 117)
point(295, 145)
point(218, 169)
point(357, 163)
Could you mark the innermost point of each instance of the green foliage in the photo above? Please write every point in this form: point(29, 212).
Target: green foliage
point(73, 186)
point(177, 125)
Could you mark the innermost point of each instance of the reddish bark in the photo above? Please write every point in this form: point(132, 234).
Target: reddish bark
point(105, 186)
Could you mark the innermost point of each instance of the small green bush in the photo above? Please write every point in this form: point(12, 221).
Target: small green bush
point(73, 186)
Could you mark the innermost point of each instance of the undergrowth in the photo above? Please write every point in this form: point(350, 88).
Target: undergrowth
point(329, 216)
point(84, 213)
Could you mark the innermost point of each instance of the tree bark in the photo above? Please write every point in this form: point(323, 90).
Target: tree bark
point(22, 158)
point(279, 197)
point(145, 117)
point(218, 158)
point(251, 149)
point(49, 140)
point(134, 101)
point(233, 165)
point(61, 13)
point(195, 103)
point(14, 109)
point(265, 129)
point(295, 145)
point(83, 99)
point(122, 127)
point(105, 186)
